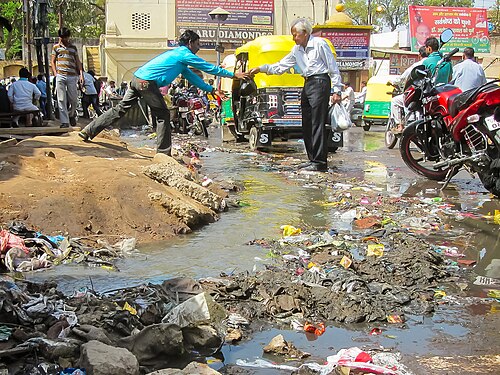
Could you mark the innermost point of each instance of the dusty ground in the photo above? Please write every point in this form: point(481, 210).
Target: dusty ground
point(59, 184)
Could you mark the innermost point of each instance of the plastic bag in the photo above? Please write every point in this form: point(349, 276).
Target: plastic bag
point(339, 118)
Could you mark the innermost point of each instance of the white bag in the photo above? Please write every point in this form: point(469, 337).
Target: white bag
point(340, 119)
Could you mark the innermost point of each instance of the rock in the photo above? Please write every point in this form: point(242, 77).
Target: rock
point(101, 359)
point(233, 335)
point(90, 333)
point(53, 349)
point(175, 176)
point(278, 345)
point(158, 341)
point(202, 337)
point(192, 368)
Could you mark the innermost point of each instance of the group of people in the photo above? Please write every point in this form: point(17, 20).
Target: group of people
point(466, 75)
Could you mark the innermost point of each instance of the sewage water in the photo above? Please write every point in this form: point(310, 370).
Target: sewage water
point(271, 199)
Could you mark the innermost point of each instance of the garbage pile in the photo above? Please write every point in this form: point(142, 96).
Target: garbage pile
point(135, 329)
point(23, 249)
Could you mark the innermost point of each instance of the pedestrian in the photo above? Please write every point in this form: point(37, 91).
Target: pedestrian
point(42, 86)
point(315, 60)
point(361, 96)
point(468, 74)
point(146, 83)
point(67, 68)
point(21, 95)
point(90, 94)
point(348, 97)
point(445, 70)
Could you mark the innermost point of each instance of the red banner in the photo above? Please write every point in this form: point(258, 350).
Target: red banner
point(469, 25)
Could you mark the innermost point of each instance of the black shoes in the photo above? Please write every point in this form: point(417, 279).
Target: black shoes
point(72, 121)
point(315, 167)
point(64, 126)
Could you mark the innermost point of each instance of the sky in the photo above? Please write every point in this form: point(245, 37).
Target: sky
point(484, 3)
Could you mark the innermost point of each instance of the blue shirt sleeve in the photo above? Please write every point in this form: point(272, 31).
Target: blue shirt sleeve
point(197, 62)
point(196, 80)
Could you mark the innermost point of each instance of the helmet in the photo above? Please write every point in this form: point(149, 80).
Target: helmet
point(248, 87)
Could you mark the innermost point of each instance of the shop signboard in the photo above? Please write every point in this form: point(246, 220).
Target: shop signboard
point(248, 20)
point(469, 25)
point(352, 47)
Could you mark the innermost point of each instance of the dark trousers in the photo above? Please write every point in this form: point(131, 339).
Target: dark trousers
point(87, 100)
point(43, 106)
point(150, 94)
point(314, 103)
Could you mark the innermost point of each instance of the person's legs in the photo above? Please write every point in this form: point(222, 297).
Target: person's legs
point(306, 120)
point(43, 107)
point(111, 115)
point(95, 103)
point(397, 105)
point(153, 98)
point(62, 100)
point(72, 92)
point(86, 101)
point(318, 94)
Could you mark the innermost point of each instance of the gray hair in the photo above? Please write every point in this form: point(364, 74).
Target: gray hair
point(302, 25)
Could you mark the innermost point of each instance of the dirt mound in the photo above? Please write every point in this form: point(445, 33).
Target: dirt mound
point(63, 185)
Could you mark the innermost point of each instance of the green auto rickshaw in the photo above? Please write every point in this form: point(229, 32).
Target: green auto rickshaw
point(377, 107)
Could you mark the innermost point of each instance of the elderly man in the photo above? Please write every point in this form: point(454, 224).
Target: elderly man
point(468, 74)
point(316, 63)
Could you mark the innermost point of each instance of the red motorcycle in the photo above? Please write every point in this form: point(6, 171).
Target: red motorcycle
point(458, 129)
point(191, 113)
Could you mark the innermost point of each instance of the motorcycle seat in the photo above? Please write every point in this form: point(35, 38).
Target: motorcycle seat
point(461, 101)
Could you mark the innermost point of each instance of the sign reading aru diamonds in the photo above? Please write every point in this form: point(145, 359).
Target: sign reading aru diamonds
point(347, 64)
point(248, 20)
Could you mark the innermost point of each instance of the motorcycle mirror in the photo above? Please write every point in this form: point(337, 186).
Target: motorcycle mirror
point(418, 72)
point(446, 36)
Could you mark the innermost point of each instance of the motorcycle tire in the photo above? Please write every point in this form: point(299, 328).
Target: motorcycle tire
point(183, 126)
point(198, 128)
point(390, 138)
point(407, 144)
point(490, 177)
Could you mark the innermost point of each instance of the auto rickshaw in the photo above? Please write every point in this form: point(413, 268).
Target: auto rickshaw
point(268, 107)
point(378, 101)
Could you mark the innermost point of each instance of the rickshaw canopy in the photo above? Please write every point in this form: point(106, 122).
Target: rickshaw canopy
point(269, 49)
point(377, 89)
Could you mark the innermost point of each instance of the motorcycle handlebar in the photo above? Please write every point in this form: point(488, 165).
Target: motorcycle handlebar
point(448, 56)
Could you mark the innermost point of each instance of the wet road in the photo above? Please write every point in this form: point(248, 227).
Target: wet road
point(273, 195)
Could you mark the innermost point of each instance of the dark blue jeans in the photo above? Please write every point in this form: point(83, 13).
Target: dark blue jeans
point(150, 94)
point(314, 103)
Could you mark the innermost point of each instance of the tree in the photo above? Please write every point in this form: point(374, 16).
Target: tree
point(12, 41)
point(392, 13)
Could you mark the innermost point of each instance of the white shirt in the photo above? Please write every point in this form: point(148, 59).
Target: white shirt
point(468, 75)
point(89, 84)
point(316, 58)
point(408, 70)
point(21, 94)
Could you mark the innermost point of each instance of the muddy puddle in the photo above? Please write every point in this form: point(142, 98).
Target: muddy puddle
point(273, 195)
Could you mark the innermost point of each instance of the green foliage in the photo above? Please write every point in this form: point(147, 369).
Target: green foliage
point(85, 19)
point(392, 13)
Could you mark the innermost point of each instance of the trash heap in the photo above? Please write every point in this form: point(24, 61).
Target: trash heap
point(23, 249)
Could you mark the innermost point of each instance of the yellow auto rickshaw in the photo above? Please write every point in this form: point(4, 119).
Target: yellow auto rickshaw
point(377, 107)
point(268, 107)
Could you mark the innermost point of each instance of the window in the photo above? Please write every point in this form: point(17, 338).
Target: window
point(141, 21)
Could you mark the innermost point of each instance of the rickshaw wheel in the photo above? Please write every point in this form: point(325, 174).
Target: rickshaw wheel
point(366, 125)
point(390, 138)
point(253, 138)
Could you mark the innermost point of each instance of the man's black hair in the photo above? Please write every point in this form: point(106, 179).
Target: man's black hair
point(39, 77)
point(469, 52)
point(64, 32)
point(24, 73)
point(433, 43)
point(422, 52)
point(188, 36)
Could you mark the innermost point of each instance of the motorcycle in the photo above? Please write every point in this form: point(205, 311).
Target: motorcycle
point(458, 129)
point(392, 133)
point(191, 113)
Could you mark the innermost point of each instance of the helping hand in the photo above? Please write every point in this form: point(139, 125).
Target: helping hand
point(221, 94)
point(254, 71)
point(242, 75)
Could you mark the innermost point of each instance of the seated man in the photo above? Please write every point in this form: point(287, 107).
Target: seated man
point(21, 95)
point(397, 102)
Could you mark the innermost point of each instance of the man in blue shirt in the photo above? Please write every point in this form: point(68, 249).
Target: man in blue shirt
point(40, 83)
point(146, 83)
point(444, 70)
